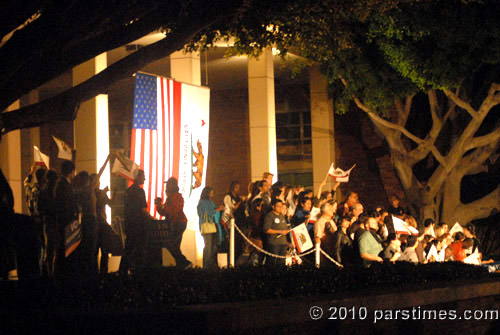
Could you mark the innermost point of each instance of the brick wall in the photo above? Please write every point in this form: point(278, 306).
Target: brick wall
point(356, 142)
point(229, 151)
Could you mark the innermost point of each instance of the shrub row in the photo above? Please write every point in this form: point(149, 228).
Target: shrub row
point(169, 287)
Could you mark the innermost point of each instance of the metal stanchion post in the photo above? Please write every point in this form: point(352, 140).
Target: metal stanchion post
point(231, 243)
point(317, 254)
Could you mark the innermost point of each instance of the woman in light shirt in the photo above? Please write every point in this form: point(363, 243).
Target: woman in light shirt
point(327, 211)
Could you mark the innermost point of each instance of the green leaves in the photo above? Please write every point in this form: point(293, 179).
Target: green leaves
point(437, 44)
point(384, 50)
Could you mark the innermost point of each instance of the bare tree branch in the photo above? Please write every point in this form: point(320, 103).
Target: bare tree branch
point(491, 100)
point(480, 208)
point(457, 151)
point(403, 110)
point(439, 157)
point(400, 110)
point(382, 121)
point(460, 103)
point(484, 140)
point(408, 103)
point(71, 54)
point(466, 137)
point(450, 110)
point(65, 105)
point(394, 126)
point(428, 145)
point(16, 14)
point(434, 106)
point(476, 159)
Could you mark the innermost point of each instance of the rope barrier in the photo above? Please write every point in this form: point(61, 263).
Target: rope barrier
point(255, 246)
point(279, 256)
point(331, 259)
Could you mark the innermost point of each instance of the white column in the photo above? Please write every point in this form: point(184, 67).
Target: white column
point(91, 127)
point(91, 124)
point(186, 68)
point(10, 162)
point(29, 138)
point(262, 116)
point(322, 127)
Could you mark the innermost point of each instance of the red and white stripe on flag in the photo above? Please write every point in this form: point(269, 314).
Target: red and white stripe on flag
point(168, 118)
point(403, 228)
point(40, 158)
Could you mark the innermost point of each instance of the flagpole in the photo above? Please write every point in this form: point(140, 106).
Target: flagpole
point(317, 254)
point(231, 243)
point(181, 82)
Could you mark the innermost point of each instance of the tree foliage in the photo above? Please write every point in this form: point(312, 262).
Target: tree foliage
point(447, 50)
point(44, 38)
point(438, 44)
point(376, 54)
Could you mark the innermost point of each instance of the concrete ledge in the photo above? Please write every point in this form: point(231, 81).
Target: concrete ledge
point(356, 315)
point(364, 312)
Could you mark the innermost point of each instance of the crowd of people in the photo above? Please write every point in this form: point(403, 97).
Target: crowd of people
point(346, 231)
point(36, 244)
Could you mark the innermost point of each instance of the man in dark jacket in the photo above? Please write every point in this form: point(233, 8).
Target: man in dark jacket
point(66, 211)
point(17, 232)
point(136, 219)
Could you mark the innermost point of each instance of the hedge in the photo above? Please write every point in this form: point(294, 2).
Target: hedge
point(166, 288)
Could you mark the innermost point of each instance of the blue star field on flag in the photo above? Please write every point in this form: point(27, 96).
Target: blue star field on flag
point(145, 102)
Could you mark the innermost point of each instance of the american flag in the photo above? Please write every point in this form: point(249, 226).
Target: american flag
point(170, 120)
point(155, 132)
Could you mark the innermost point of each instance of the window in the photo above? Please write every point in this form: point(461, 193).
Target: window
point(293, 134)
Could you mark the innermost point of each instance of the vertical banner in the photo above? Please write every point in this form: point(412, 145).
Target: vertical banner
point(170, 139)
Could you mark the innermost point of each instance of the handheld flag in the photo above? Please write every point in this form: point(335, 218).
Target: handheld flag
point(433, 254)
point(455, 229)
point(473, 258)
point(65, 151)
point(340, 175)
point(315, 212)
point(432, 232)
point(40, 158)
point(301, 238)
point(401, 227)
point(124, 167)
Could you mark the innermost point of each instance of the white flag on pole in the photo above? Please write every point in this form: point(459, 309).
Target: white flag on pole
point(40, 158)
point(301, 238)
point(315, 212)
point(473, 258)
point(455, 229)
point(433, 253)
point(124, 166)
point(65, 151)
point(340, 175)
point(401, 227)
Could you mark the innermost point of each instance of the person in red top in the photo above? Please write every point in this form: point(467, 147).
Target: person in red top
point(458, 248)
point(173, 212)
